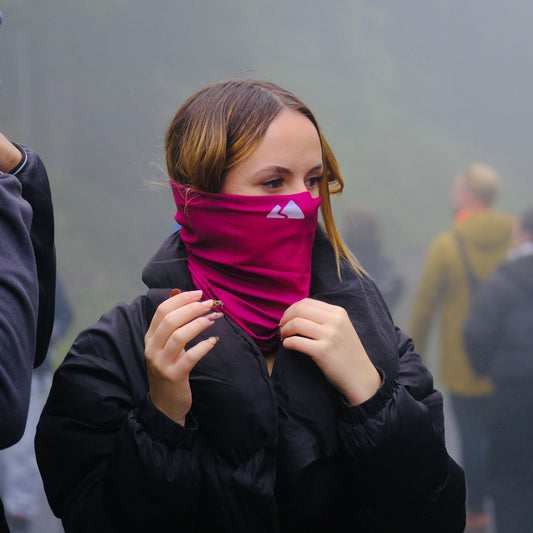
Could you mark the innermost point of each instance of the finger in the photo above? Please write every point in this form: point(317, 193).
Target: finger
point(190, 358)
point(304, 345)
point(171, 304)
point(300, 326)
point(157, 338)
point(179, 369)
point(182, 336)
point(314, 310)
point(167, 344)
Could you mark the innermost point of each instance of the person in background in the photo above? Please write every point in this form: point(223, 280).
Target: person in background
point(27, 283)
point(499, 342)
point(260, 385)
point(481, 236)
point(362, 236)
point(21, 483)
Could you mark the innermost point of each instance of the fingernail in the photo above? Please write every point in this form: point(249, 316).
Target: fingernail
point(214, 340)
point(196, 294)
point(213, 303)
point(214, 315)
point(174, 292)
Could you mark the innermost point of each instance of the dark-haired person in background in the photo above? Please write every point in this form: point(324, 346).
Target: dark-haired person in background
point(499, 340)
point(27, 283)
point(362, 235)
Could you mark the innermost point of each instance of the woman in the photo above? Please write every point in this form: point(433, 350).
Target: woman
point(271, 391)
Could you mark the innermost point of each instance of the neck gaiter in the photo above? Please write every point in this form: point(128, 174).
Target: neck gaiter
point(251, 252)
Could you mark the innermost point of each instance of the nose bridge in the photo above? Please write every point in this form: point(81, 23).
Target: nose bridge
point(297, 185)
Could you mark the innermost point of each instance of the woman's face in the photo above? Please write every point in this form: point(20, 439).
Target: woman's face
point(287, 161)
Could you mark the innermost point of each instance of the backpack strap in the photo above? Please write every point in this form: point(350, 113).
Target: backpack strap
point(473, 280)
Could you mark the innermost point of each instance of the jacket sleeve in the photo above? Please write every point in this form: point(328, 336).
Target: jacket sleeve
point(430, 289)
point(36, 191)
point(482, 328)
point(27, 280)
point(110, 461)
point(397, 439)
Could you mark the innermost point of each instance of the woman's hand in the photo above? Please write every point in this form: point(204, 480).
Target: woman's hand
point(325, 333)
point(177, 321)
point(10, 155)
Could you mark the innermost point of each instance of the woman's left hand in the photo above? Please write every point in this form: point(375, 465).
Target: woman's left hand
point(326, 334)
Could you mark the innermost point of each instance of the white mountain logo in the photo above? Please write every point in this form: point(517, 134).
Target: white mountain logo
point(291, 210)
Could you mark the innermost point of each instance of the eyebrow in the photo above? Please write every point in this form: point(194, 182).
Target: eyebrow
point(285, 171)
point(317, 167)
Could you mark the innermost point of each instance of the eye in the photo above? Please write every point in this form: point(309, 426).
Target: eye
point(311, 183)
point(273, 183)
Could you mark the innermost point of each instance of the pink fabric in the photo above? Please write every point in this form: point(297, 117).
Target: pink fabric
point(251, 252)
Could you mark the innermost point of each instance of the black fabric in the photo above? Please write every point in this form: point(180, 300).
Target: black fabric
point(258, 453)
point(498, 329)
point(36, 191)
point(27, 282)
point(511, 456)
point(3, 524)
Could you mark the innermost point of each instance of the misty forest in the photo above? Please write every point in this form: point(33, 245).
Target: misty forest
point(407, 94)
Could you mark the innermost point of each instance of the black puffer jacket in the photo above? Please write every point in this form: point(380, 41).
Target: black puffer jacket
point(260, 453)
point(499, 329)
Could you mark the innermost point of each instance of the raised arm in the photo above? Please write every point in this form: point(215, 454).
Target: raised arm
point(109, 458)
point(27, 280)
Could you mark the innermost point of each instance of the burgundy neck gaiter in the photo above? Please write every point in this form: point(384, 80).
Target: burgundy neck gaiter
point(251, 252)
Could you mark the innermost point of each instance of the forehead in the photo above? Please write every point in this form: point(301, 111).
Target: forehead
point(290, 132)
point(291, 146)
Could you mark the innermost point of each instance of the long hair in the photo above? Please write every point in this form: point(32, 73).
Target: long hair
point(223, 123)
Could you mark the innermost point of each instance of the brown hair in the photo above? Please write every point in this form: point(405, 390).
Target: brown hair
point(223, 123)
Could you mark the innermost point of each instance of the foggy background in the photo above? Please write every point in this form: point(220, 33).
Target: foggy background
point(407, 93)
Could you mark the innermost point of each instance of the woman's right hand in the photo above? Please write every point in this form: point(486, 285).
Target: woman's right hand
point(176, 322)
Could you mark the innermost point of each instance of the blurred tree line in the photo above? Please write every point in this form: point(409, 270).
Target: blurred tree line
point(91, 84)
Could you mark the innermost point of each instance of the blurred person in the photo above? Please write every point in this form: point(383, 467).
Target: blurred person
point(27, 283)
point(499, 343)
point(485, 236)
point(21, 482)
point(274, 392)
point(362, 235)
